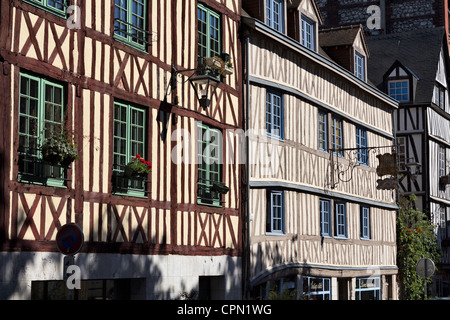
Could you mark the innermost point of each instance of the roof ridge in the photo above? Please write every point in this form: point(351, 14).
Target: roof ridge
point(406, 34)
point(352, 26)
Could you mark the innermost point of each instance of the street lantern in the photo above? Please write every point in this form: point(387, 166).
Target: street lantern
point(413, 167)
point(203, 81)
point(204, 86)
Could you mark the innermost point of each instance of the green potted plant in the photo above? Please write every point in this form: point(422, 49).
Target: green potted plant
point(214, 63)
point(227, 68)
point(138, 167)
point(58, 149)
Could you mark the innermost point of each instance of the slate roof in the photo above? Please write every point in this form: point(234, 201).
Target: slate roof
point(417, 50)
point(339, 36)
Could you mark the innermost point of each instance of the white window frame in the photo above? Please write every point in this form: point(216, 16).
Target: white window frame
point(275, 211)
point(399, 97)
point(376, 289)
point(365, 222)
point(275, 14)
point(308, 33)
point(360, 66)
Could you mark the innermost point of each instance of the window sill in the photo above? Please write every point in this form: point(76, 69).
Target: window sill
point(43, 181)
point(363, 164)
point(341, 238)
point(135, 194)
point(274, 137)
point(276, 234)
point(215, 204)
point(142, 49)
point(55, 12)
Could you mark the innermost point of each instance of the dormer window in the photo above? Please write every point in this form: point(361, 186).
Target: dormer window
point(399, 90)
point(308, 33)
point(275, 14)
point(400, 82)
point(439, 96)
point(360, 66)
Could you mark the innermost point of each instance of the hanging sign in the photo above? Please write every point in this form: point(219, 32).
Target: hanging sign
point(387, 164)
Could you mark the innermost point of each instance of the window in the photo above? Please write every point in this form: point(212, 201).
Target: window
point(57, 7)
point(401, 152)
point(209, 29)
point(360, 66)
point(340, 219)
point(361, 144)
point(308, 33)
point(128, 142)
point(274, 114)
point(399, 90)
point(41, 112)
point(210, 164)
point(365, 222)
point(93, 289)
point(275, 212)
point(130, 22)
point(442, 165)
point(336, 136)
point(275, 14)
point(367, 288)
point(325, 217)
point(323, 131)
point(316, 288)
point(439, 96)
point(442, 223)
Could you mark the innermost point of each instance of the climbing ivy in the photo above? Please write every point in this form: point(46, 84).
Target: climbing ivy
point(415, 240)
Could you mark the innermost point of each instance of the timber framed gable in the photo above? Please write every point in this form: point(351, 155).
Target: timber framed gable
point(97, 71)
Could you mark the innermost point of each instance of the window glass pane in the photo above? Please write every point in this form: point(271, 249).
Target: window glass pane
point(210, 164)
point(307, 32)
point(275, 13)
point(399, 90)
point(359, 66)
point(323, 131)
point(129, 21)
point(340, 215)
point(361, 144)
point(316, 288)
point(129, 141)
point(274, 115)
point(336, 135)
point(209, 31)
point(324, 208)
point(275, 207)
point(41, 111)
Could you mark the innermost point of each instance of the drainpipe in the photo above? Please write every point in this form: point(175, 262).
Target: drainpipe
point(246, 218)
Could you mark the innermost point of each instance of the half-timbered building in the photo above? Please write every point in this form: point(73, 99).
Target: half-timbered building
point(413, 68)
point(318, 224)
point(114, 77)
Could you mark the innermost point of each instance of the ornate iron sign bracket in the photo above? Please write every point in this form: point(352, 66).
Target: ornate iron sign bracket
point(344, 161)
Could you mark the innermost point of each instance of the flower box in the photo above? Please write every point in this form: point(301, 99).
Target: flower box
point(58, 149)
point(214, 62)
point(227, 70)
point(137, 168)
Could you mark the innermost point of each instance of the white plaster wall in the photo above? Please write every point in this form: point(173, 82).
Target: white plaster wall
point(166, 276)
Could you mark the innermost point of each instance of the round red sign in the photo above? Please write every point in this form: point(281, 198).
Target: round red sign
point(69, 239)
